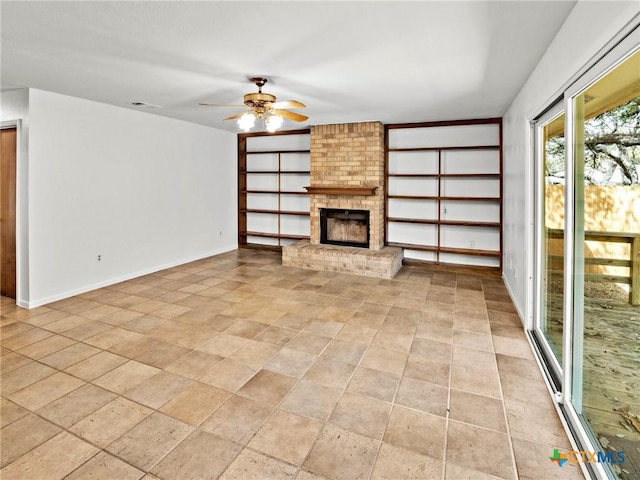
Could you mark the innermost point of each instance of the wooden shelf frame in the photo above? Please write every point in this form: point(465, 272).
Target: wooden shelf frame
point(243, 191)
point(439, 197)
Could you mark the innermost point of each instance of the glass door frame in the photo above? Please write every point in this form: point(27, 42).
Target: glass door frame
point(551, 363)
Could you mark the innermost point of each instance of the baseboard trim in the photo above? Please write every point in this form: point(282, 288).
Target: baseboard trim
point(513, 300)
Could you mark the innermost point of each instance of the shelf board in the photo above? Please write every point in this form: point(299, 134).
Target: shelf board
point(445, 175)
point(413, 220)
point(415, 175)
point(276, 212)
point(274, 235)
point(262, 152)
point(470, 175)
point(414, 197)
point(276, 172)
point(472, 199)
point(282, 192)
point(409, 246)
point(453, 223)
point(456, 251)
point(432, 197)
point(432, 149)
point(471, 252)
point(467, 223)
point(340, 190)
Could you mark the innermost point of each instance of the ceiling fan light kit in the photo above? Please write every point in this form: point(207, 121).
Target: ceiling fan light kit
point(273, 123)
point(247, 121)
point(264, 106)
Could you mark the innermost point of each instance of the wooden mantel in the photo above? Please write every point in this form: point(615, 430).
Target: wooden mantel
point(340, 190)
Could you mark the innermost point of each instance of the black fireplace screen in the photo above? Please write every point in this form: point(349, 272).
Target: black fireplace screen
point(344, 227)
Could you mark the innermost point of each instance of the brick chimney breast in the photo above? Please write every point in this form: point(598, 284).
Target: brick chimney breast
point(349, 155)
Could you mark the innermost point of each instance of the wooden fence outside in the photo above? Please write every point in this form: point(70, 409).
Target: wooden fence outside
point(632, 262)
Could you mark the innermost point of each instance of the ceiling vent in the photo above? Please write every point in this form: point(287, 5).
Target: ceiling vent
point(144, 105)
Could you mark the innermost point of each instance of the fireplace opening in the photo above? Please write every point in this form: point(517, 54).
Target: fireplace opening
point(344, 227)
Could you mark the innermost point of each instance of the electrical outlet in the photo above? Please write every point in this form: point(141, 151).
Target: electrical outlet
point(472, 243)
point(99, 259)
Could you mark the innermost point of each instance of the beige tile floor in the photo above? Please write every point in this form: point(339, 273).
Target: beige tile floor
point(234, 367)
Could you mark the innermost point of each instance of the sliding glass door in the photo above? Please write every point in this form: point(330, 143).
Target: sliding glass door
point(587, 320)
point(606, 237)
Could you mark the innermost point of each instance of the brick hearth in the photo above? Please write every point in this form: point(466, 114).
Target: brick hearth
point(383, 263)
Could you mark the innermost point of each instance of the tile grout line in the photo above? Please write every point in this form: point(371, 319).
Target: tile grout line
point(448, 417)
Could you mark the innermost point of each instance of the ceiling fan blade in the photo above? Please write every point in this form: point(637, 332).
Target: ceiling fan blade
point(237, 115)
point(288, 104)
point(296, 117)
point(218, 105)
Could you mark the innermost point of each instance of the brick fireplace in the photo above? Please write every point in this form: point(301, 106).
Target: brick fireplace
point(348, 157)
point(347, 173)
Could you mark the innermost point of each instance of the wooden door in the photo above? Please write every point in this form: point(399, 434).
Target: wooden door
point(8, 212)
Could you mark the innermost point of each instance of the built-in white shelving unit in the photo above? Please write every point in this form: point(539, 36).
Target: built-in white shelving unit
point(273, 206)
point(444, 191)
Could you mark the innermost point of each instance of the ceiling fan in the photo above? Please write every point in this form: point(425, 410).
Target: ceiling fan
point(264, 106)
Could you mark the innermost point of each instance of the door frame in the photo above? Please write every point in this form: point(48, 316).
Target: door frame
point(22, 254)
point(554, 369)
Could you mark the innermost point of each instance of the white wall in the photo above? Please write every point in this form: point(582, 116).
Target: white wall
point(589, 27)
point(15, 112)
point(143, 191)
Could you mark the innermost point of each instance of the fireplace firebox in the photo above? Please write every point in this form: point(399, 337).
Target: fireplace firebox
point(344, 227)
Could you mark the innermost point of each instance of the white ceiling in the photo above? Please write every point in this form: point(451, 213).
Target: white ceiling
point(390, 61)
